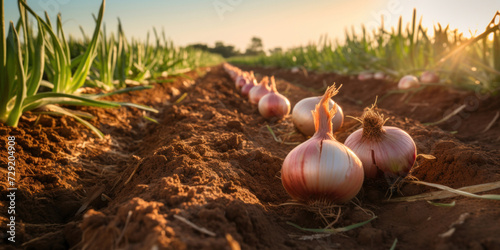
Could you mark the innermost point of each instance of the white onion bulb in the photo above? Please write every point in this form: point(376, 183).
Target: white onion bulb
point(259, 91)
point(303, 119)
point(321, 168)
point(408, 81)
point(380, 147)
point(274, 104)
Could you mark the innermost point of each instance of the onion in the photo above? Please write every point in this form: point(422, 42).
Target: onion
point(259, 91)
point(231, 70)
point(246, 78)
point(274, 104)
point(429, 77)
point(321, 168)
point(240, 79)
point(303, 119)
point(380, 147)
point(248, 86)
point(233, 73)
point(379, 75)
point(363, 76)
point(408, 81)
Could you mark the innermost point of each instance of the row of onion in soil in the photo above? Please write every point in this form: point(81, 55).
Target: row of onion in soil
point(470, 62)
point(321, 168)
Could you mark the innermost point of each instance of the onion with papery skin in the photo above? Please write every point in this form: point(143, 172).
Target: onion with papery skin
point(231, 70)
point(274, 104)
point(247, 87)
point(429, 77)
point(248, 77)
point(303, 119)
point(321, 168)
point(379, 75)
point(233, 73)
point(259, 91)
point(385, 148)
point(363, 76)
point(240, 79)
point(408, 81)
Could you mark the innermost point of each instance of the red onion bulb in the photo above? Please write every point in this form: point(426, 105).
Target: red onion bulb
point(247, 87)
point(363, 76)
point(274, 104)
point(240, 79)
point(259, 91)
point(321, 168)
point(429, 77)
point(380, 147)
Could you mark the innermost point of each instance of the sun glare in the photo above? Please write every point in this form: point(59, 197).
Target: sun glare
point(490, 36)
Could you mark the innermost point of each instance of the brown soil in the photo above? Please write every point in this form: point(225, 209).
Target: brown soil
point(212, 161)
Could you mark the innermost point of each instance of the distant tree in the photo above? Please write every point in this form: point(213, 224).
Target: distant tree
point(225, 51)
point(255, 47)
point(220, 48)
point(199, 46)
point(276, 50)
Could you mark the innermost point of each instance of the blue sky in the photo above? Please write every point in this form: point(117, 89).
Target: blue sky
point(283, 23)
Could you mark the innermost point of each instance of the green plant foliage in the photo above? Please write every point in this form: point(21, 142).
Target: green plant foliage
point(68, 65)
point(397, 52)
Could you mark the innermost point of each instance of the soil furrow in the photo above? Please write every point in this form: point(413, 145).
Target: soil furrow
point(212, 161)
